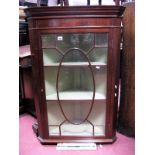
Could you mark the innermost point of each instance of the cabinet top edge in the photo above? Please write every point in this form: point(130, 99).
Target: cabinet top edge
point(75, 10)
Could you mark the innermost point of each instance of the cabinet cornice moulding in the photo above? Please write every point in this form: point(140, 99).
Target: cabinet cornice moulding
point(91, 11)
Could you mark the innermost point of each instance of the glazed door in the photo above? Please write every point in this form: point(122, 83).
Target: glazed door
point(75, 82)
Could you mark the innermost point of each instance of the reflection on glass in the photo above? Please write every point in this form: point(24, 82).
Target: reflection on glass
point(84, 41)
point(48, 41)
point(98, 55)
point(75, 55)
point(101, 39)
point(74, 111)
point(50, 75)
point(51, 56)
point(75, 44)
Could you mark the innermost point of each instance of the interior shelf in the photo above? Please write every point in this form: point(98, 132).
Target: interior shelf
point(76, 95)
point(76, 64)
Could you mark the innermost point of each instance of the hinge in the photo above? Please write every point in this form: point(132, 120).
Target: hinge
point(116, 90)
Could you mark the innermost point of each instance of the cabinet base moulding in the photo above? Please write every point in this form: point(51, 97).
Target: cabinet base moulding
point(76, 140)
point(71, 139)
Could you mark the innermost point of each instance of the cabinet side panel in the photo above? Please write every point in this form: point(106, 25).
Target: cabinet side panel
point(117, 36)
point(114, 83)
point(35, 75)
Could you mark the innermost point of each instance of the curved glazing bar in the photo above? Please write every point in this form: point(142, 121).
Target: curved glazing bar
point(57, 86)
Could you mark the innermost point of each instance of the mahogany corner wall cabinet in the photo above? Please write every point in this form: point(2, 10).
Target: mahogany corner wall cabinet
point(75, 60)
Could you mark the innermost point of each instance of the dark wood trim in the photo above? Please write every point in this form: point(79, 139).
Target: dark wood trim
point(76, 140)
point(75, 16)
point(109, 77)
point(116, 55)
point(43, 104)
point(78, 27)
point(75, 10)
point(35, 74)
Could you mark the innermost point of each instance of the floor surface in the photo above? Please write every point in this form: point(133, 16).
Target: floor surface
point(29, 144)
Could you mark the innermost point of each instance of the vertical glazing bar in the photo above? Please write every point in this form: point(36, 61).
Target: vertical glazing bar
point(60, 127)
point(59, 130)
point(94, 39)
point(92, 126)
point(93, 131)
point(92, 47)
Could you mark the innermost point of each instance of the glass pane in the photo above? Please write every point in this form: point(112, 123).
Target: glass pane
point(51, 56)
point(48, 41)
point(76, 112)
point(55, 117)
point(50, 75)
point(98, 117)
point(84, 129)
point(74, 82)
point(98, 55)
point(83, 41)
point(75, 56)
point(101, 39)
point(100, 75)
point(54, 130)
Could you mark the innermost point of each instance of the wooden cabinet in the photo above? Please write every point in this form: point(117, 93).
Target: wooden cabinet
point(76, 71)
